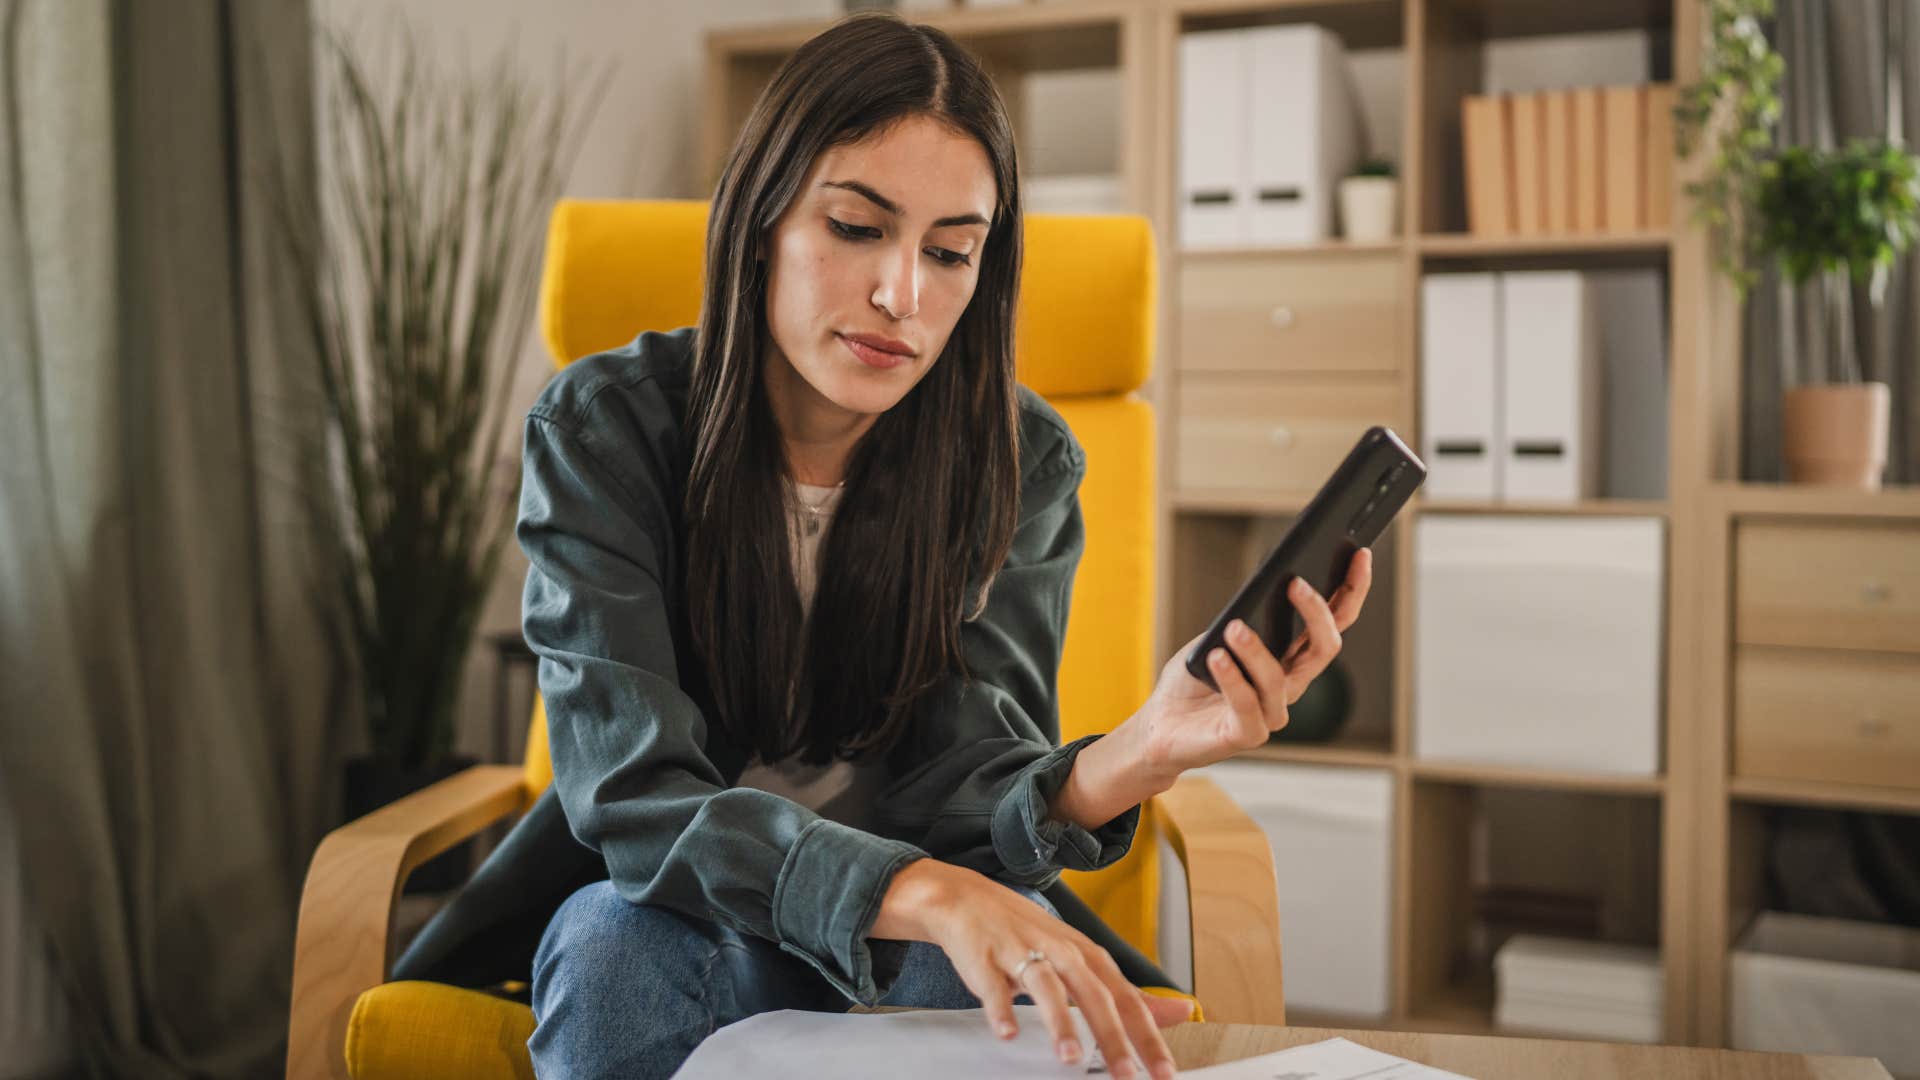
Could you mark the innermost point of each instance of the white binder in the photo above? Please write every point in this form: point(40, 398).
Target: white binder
point(1551, 392)
point(1214, 209)
point(1304, 135)
point(1460, 431)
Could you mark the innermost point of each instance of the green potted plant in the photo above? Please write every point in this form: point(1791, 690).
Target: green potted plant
point(417, 273)
point(1370, 202)
point(1838, 216)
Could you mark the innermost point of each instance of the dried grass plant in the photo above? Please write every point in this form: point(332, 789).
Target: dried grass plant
point(417, 273)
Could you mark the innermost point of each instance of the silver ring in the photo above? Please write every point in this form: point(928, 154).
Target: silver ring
point(1033, 955)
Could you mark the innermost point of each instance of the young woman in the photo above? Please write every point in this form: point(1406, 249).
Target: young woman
point(798, 585)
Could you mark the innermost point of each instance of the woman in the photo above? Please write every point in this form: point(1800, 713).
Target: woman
point(798, 582)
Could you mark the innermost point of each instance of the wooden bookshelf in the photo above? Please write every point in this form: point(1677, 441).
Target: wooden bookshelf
point(1708, 820)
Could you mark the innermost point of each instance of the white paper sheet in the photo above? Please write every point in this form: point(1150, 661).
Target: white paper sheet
point(937, 1044)
point(926, 1044)
point(1333, 1059)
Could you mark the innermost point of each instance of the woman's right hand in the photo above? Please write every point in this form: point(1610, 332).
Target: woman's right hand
point(987, 930)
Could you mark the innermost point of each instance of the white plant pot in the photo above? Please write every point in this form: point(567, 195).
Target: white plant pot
point(1369, 208)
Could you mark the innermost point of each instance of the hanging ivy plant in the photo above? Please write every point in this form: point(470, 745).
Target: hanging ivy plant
point(1734, 105)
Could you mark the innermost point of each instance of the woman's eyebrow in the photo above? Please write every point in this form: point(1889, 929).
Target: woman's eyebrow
point(893, 208)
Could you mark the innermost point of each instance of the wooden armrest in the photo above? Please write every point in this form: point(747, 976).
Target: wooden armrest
point(344, 942)
point(1231, 897)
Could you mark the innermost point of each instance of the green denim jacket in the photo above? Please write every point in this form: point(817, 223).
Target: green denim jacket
point(644, 783)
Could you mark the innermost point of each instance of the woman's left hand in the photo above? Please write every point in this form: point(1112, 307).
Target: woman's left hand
point(1187, 725)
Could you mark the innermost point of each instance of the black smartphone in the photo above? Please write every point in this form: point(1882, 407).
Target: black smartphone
point(1349, 512)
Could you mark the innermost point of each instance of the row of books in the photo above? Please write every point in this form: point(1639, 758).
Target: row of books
point(1592, 160)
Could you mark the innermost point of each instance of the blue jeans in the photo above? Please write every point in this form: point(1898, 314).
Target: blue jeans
point(628, 990)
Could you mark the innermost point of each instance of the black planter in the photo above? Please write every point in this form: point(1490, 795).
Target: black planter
point(1322, 711)
point(374, 782)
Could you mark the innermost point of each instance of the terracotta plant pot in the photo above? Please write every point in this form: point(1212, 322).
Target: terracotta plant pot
point(1836, 435)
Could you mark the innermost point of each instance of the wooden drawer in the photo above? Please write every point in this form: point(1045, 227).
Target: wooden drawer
point(1852, 585)
point(1274, 435)
point(1825, 714)
point(1280, 313)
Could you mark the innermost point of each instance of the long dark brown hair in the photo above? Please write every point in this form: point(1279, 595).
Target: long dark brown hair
point(932, 488)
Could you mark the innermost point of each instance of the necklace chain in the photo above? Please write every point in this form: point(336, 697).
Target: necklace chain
point(814, 510)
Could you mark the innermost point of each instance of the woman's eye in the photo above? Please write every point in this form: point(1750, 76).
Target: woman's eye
point(852, 232)
point(856, 232)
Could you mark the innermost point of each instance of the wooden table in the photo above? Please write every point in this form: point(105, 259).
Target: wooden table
point(1489, 1057)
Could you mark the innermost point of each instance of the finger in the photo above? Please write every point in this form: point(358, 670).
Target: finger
point(1269, 678)
point(1097, 1008)
point(1323, 636)
point(995, 992)
point(1249, 723)
point(1167, 1011)
point(1042, 983)
point(1351, 596)
point(1135, 1017)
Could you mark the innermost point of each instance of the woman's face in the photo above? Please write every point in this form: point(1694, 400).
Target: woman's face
point(884, 239)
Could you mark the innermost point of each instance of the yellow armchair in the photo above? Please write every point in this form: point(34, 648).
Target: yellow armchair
point(1084, 342)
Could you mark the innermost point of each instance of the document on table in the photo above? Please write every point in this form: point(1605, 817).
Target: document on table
point(1331, 1059)
point(936, 1044)
point(929, 1044)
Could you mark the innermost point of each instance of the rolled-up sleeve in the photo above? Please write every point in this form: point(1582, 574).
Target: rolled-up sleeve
point(986, 768)
point(628, 744)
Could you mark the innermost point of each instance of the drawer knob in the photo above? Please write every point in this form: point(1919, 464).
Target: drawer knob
point(1876, 592)
point(1282, 317)
point(1281, 437)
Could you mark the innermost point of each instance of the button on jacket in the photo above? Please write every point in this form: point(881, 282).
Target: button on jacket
point(642, 788)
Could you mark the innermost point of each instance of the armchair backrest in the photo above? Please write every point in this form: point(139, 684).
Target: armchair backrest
point(1084, 341)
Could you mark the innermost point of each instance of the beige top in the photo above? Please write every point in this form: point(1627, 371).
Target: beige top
point(840, 791)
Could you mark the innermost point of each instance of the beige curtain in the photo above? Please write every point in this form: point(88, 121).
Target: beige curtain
point(167, 747)
point(1835, 88)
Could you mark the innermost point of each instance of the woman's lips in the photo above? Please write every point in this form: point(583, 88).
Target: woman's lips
point(873, 357)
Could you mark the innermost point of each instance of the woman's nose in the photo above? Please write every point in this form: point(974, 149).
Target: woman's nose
point(898, 293)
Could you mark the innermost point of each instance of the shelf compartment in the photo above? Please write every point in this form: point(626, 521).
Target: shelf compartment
point(1213, 554)
point(1485, 862)
point(1503, 776)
